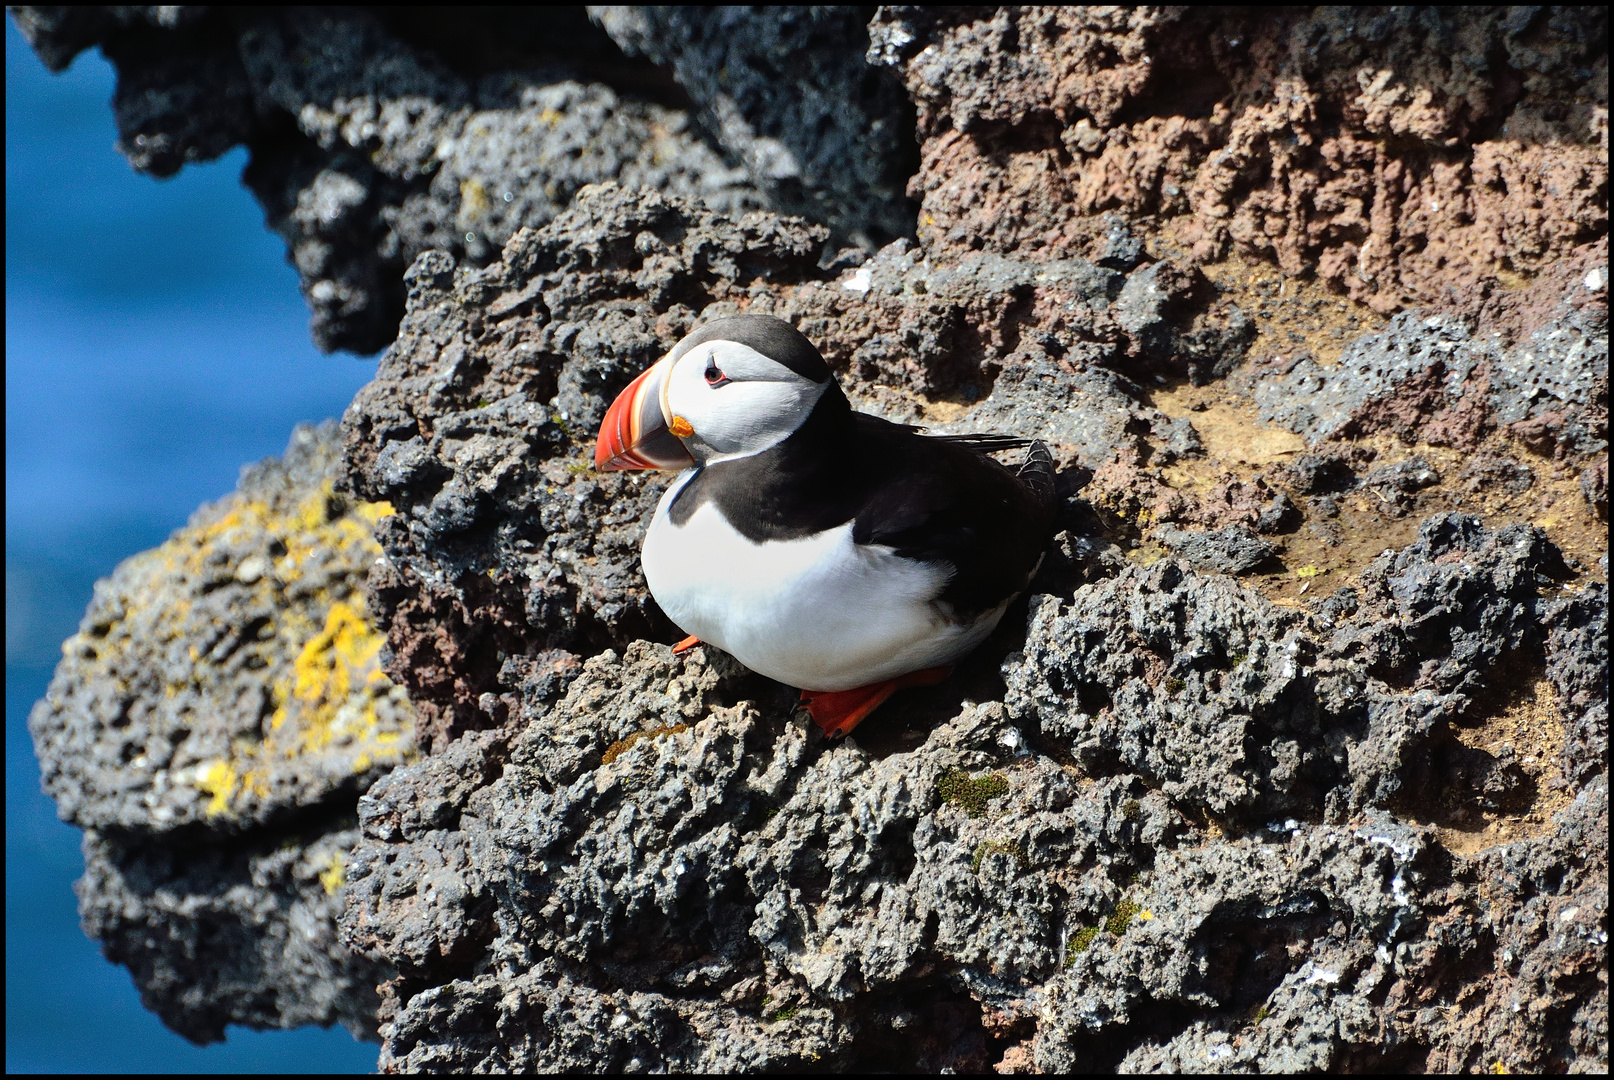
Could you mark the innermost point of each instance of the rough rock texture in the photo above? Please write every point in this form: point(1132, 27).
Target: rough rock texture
point(1232, 549)
point(229, 677)
point(788, 92)
point(1228, 703)
point(653, 848)
point(1577, 664)
point(210, 727)
point(379, 134)
point(1086, 875)
point(241, 932)
point(479, 424)
point(1396, 153)
point(1450, 380)
point(1162, 819)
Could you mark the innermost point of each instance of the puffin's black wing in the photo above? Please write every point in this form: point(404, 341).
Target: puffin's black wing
point(984, 442)
point(1037, 470)
point(941, 500)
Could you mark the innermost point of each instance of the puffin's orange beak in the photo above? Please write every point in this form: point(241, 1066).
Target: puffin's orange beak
point(635, 433)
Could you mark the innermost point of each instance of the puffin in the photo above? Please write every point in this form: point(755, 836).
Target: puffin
point(830, 550)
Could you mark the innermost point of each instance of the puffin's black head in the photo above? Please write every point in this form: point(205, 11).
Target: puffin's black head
point(730, 388)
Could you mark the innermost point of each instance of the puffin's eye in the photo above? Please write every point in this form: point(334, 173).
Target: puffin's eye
point(714, 377)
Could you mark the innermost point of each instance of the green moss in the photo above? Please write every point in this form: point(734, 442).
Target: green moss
point(577, 468)
point(971, 794)
point(1238, 658)
point(1132, 809)
point(988, 846)
point(785, 1013)
point(1174, 685)
point(482, 403)
point(1261, 1014)
point(1080, 942)
point(1116, 923)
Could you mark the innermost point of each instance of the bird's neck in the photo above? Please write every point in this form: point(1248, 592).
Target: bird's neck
point(811, 478)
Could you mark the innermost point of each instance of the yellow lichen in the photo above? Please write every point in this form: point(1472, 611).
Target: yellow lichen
point(326, 666)
point(334, 876)
point(218, 780)
point(474, 201)
point(328, 698)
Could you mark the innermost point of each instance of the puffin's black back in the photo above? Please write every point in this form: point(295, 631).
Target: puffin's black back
point(929, 499)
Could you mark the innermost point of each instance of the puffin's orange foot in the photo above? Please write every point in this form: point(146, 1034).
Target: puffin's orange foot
point(837, 712)
point(687, 644)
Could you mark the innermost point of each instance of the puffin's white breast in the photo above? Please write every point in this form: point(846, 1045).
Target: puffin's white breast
point(818, 613)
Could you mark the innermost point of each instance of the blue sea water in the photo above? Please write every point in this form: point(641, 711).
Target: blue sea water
point(155, 343)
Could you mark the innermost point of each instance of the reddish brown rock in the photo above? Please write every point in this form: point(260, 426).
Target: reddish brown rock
point(1398, 154)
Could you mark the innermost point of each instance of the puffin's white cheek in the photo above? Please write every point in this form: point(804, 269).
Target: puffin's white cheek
point(746, 417)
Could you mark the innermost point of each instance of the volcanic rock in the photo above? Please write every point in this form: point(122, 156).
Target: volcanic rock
point(210, 728)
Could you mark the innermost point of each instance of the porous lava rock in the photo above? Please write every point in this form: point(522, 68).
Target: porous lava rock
point(1162, 818)
point(478, 427)
point(1449, 380)
point(1395, 153)
point(1577, 664)
point(379, 134)
point(210, 728)
point(1186, 834)
point(229, 677)
point(788, 92)
point(1232, 549)
point(658, 845)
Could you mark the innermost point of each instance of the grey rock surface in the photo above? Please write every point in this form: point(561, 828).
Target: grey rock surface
point(210, 728)
point(400, 154)
point(1184, 837)
point(1232, 549)
point(1577, 664)
point(379, 134)
point(414, 130)
point(478, 428)
point(655, 846)
point(228, 678)
point(788, 92)
point(242, 932)
point(1435, 377)
point(1161, 819)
